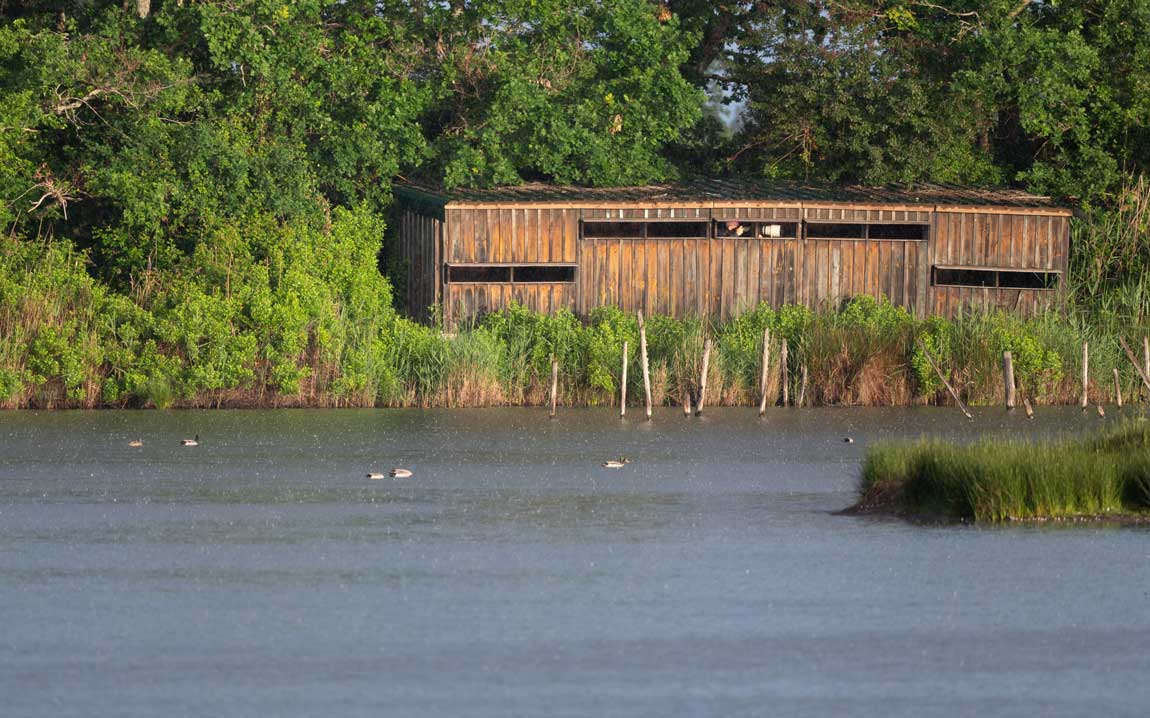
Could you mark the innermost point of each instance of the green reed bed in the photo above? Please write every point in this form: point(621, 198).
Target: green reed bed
point(1107, 475)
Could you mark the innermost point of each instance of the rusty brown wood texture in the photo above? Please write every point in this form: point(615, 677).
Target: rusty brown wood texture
point(419, 250)
point(720, 276)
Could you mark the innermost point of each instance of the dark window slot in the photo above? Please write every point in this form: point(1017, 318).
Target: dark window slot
point(964, 277)
point(478, 274)
point(820, 230)
point(1027, 280)
point(544, 274)
point(897, 231)
point(609, 230)
point(994, 278)
point(675, 230)
point(747, 229)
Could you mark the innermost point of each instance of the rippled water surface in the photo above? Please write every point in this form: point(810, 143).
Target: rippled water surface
point(260, 573)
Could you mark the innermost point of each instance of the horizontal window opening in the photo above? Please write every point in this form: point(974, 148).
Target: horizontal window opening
point(901, 232)
point(965, 277)
point(994, 278)
point(675, 230)
point(897, 231)
point(820, 230)
point(750, 230)
point(608, 230)
point(505, 274)
point(478, 274)
point(1028, 280)
point(542, 274)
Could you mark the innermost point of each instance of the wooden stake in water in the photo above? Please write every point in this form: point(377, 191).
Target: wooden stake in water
point(1146, 359)
point(786, 374)
point(643, 358)
point(1029, 409)
point(953, 393)
point(802, 384)
point(1085, 374)
point(765, 367)
point(554, 385)
point(1142, 373)
point(702, 398)
point(623, 385)
point(1101, 411)
point(1008, 379)
point(1117, 389)
point(686, 401)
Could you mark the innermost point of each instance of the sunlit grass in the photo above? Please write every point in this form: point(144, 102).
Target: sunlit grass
point(1107, 474)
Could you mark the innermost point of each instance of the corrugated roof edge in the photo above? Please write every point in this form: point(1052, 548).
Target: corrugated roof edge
point(739, 190)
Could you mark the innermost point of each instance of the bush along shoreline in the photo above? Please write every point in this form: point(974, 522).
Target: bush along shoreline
point(305, 319)
point(1103, 477)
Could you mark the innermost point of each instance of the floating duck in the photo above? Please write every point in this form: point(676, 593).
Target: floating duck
point(616, 463)
point(400, 473)
point(136, 443)
point(848, 440)
point(376, 475)
point(190, 442)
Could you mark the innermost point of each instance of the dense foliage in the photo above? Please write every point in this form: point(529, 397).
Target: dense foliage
point(193, 193)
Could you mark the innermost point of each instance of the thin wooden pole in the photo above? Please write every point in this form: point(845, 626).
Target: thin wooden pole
point(1117, 389)
point(554, 385)
point(623, 385)
point(1029, 409)
point(765, 367)
point(1008, 379)
point(643, 358)
point(786, 374)
point(686, 400)
point(702, 398)
point(1142, 373)
point(1146, 359)
point(802, 384)
point(1085, 374)
point(953, 393)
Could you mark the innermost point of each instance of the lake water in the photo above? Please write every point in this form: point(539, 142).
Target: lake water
point(260, 573)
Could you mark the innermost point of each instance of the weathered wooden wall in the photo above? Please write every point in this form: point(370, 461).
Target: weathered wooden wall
point(997, 240)
point(419, 249)
point(722, 276)
point(516, 235)
point(836, 269)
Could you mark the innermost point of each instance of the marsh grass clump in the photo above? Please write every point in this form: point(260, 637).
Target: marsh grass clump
point(1103, 475)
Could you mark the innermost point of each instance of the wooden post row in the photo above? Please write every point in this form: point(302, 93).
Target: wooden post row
point(786, 375)
point(623, 385)
point(1008, 378)
point(643, 358)
point(554, 385)
point(765, 367)
point(701, 399)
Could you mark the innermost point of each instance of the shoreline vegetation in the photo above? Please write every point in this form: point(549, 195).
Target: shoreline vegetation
point(195, 197)
point(272, 334)
point(1105, 477)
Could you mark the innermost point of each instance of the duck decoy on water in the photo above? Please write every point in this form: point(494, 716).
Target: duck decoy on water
point(400, 473)
point(136, 443)
point(190, 442)
point(616, 463)
point(375, 475)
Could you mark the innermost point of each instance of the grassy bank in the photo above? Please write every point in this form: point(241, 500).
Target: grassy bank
point(308, 322)
point(1107, 475)
point(262, 312)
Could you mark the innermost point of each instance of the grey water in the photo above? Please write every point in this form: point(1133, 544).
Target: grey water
point(261, 573)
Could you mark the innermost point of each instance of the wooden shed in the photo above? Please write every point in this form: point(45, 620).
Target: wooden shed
point(715, 248)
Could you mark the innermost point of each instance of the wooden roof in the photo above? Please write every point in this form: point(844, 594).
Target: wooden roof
point(726, 191)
